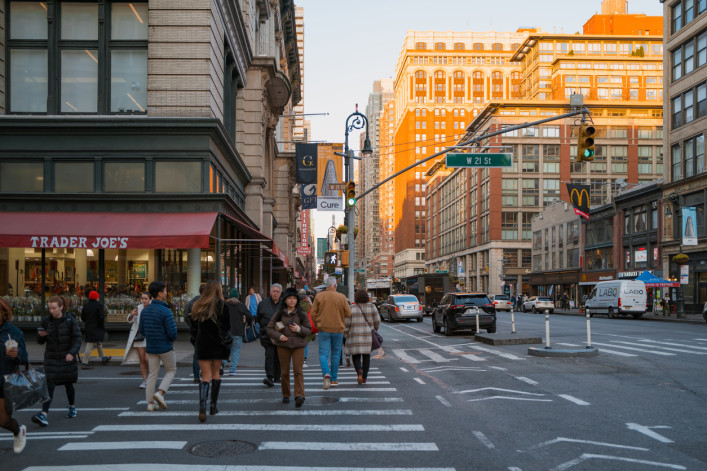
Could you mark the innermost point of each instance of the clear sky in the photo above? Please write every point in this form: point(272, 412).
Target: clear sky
point(350, 44)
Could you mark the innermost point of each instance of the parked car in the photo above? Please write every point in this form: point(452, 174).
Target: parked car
point(704, 312)
point(401, 307)
point(538, 304)
point(626, 297)
point(458, 311)
point(502, 302)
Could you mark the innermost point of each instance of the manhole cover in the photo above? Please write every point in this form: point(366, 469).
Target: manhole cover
point(321, 400)
point(215, 449)
point(131, 373)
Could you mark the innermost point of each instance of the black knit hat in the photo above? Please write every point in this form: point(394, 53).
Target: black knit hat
point(289, 292)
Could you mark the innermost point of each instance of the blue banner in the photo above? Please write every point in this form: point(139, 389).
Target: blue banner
point(689, 226)
point(309, 195)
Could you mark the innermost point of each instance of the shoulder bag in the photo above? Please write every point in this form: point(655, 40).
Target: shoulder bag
point(376, 338)
point(24, 388)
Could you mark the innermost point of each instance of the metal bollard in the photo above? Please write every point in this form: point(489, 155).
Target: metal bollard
point(589, 333)
point(513, 322)
point(477, 321)
point(547, 330)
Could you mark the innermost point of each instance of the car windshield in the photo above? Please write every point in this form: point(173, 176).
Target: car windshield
point(545, 299)
point(473, 300)
point(405, 299)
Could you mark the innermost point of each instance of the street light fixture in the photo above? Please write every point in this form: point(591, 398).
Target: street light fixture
point(355, 120)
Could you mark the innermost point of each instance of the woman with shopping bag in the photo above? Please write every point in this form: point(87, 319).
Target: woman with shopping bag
point(13, 353)
point(135, 348)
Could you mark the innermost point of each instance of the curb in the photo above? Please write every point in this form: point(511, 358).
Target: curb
point(506, 339)
point(649, 318)
point(545, 352)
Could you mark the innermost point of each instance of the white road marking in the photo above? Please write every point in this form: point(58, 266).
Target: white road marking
point(672, 344)
point(437, 369)
point(633, 349)
point(80, 409)
point(419, 380)
point(274, 399)
point(646, 430)
point(513, 468)
point(143, 445)
point(313, 384)
point(347, 446)
point(482, 438)
point(570, 345)
point(574, 399)
point(679, 350)
point(510, 399)
point(498, 389)
point(526, 380)
point(589, 456)
point(614, 352)
point(443, 401)
point(587, 442)
point(405, 357)
point(468, 356)
point(508, 356)
point(434, 356)
point(265, 413)
point(33, 436)
point(262, 427)
point(499, 368)
point(404, 370)
point(209, 467)
point(360, 389)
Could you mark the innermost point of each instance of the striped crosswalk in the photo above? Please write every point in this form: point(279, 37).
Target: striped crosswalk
point(629, 346)
point(373, 419)
point(448, 353)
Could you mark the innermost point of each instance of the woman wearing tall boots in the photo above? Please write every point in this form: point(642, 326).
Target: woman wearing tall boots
point(364, 317)
point(210, 328)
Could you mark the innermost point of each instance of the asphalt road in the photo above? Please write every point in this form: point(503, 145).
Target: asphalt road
point(431, 403)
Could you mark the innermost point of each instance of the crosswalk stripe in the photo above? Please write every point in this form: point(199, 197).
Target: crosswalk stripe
point(262, 427)
point(33, 436)
point(209, 467)
point(634, 349)
point(508, 356)
point(264, 413)
point(270, 400)
point(465, 355)
point(434, 355)
point(405, 357)
point(679, 350)
point(672, 344)
point(347, 446)
point(261, 388)
point(307, 383)
point(142, 445)
point(614, 352)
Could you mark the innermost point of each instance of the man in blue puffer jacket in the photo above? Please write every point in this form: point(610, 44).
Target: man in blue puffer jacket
point(160, 331)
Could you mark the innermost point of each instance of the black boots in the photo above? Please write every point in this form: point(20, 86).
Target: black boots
point(203, 398)
point(215, 388)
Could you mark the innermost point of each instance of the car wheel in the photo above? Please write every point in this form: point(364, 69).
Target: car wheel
point(419, 319)
point(610, 313)
point(447, 332)
point(535, 311)
point(492, 329)
point(637, 316)
point(705, 316)
point(435, 327)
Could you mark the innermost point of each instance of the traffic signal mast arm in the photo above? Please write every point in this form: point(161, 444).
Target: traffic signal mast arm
point(584, 111)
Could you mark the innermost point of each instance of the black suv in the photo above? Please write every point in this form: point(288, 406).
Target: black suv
point(458, 311)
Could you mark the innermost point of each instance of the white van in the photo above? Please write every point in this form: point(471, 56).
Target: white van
point(626, 297)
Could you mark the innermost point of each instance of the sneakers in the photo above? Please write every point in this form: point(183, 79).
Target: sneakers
point(334, 384)
point(327, 382)
point(151, 407)
point(268, 382)
point(86, 367)
point(360, 377)
point(364, 380)
point(285, 400)
point(159, 398)
point(105, 360)
point(20, 439)
point(299, 400)
point(143, 385)
point(72, 412)
point(40, 419)
point(304, 365)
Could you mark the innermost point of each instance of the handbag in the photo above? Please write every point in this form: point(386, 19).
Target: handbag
point(251, 332)
point(376, 338)
point(311, 323)
point(24, 388)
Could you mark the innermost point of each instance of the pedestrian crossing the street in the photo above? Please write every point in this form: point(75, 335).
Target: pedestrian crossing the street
point(350, 418)
point(629, 346)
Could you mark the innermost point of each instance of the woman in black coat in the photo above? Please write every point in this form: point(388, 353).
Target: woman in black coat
point(60, 332)
point(210, 328)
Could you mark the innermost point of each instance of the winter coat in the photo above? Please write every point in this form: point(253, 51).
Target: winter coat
point(294, 339)
point(364, 317)
point(9, 365)
point(329, 311)
point(207, 336)
point(131, 356)
point(266, 310)
point(63, 336)
point(93, 316)
point(237, 312)
point(158, 326)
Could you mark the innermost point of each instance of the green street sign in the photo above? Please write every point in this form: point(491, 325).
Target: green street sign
point(479, 160)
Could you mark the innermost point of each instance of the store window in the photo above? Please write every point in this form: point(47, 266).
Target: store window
point(124, 177)
point(21, 177)
point(73, 177)
point(177, 177)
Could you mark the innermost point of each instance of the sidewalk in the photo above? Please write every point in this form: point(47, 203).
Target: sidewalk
point(649, 316)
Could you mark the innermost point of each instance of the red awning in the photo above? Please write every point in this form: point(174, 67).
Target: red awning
point(106, 230)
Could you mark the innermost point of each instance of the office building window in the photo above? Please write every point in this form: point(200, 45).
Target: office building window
point(688, 106)
point(73, 177)
point(677, 63)
point(21, 177)
point(675, 162)
point(676, 14)
point(101, 70)
point(124, 177)
point(177, 177)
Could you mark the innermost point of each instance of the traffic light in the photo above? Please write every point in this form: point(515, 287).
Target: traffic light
point(585, 143)
point(350, 194)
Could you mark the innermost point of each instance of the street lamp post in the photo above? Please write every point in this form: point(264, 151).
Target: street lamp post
point(355, 120)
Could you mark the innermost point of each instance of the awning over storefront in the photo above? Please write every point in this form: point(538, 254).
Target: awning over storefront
point(653, 281)
point(253, 233)
point(102, 230)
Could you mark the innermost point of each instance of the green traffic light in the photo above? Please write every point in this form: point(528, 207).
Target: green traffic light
point(351, 201)
point(588, 153)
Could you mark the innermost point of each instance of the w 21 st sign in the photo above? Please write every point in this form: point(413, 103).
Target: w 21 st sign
point(478, 160)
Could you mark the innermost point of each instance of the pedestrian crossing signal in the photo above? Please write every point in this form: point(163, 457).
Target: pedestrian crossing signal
point(350, 194)
point(585, 143)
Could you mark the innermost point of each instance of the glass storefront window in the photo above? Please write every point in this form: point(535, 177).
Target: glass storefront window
point(21, 177)
point(178, 177)
point(73, 177)
point(124, 177)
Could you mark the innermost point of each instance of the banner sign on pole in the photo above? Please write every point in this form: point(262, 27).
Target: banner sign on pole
point(309, 196)
point(684, 274)
point(579, 196)
point(330, 171)
point(689, 231)
point(306, 156)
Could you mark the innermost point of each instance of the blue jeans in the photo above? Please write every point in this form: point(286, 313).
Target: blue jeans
point(330, 353)
point(235, 352)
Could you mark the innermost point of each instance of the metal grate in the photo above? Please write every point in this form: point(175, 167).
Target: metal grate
point(219, 448)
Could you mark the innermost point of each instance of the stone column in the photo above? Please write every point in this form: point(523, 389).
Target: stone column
point(193, 271)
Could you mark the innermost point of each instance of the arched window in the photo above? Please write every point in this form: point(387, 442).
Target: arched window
point(496, 47)
point(496, 76)
point(478, 75)
point(458, 46)
point(478, 47)
point(420, 74)
point(515, 46)
point(515, 76)
point(440, 75)
point(458, 74)
point(420, 46)
point(440, 46)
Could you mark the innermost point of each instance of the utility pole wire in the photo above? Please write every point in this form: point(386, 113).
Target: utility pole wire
point(584, 111)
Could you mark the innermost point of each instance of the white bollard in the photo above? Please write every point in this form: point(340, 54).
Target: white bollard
point(547, 330)
point(477, 321)
point(589, 333)
point(513, 322)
